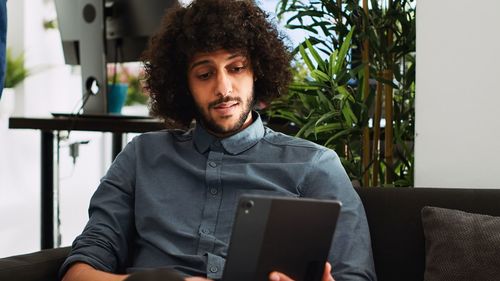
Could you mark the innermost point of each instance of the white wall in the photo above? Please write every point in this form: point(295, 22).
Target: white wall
point(457, 140)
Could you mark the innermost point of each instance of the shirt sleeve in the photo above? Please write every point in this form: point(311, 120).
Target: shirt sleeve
point(351, 253)
point(104, 242)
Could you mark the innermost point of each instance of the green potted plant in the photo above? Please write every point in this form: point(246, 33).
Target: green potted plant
point(15, 74)
point(360, 58)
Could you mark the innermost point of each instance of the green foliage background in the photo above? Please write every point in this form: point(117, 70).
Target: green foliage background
point(15, 72)
point(326, 104)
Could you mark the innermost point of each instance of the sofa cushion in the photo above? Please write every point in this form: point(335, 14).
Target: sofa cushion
point(460, 245)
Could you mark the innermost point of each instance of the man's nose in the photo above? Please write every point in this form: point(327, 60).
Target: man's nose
point(224, 86)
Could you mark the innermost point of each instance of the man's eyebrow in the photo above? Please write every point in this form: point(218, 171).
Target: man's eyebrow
point(232, 56)
point(236, 55)
point(199, 63)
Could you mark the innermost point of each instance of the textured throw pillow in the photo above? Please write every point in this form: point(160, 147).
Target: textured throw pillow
point(460, 245)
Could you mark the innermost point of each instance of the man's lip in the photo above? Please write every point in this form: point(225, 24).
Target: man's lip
point(225, 104)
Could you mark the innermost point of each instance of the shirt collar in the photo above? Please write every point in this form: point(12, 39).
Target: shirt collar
point(233, 144)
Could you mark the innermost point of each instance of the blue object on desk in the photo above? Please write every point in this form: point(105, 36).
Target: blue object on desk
point(117, 94)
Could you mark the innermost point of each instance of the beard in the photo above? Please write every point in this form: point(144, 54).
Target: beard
point(218, 129)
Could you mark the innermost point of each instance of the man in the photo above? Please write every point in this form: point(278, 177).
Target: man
point(169, 198)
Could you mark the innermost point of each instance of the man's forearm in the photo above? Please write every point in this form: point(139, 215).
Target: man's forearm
point(85, 272)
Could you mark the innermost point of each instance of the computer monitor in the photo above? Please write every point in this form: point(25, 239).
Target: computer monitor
point(97, 32)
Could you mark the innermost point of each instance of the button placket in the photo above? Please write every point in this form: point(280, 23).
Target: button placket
point(215, 266)
point(212, 202)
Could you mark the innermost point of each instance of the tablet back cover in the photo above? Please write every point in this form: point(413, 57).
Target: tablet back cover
point(290, 235)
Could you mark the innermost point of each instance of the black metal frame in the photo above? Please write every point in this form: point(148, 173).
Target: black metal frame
point(117, 125)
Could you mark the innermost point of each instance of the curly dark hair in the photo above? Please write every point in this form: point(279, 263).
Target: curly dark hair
point(205, 26)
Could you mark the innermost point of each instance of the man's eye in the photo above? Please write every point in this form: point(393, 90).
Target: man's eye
point(238, 69)
point(204, 76)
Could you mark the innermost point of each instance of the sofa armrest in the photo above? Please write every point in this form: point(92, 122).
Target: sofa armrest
point(38, 266)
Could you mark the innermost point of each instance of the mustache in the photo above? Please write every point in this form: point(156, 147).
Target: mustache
point(222, 100)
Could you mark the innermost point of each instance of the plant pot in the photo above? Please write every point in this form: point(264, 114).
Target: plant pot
point(117, 94)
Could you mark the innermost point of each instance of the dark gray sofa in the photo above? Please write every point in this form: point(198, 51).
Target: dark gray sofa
point(394, 216)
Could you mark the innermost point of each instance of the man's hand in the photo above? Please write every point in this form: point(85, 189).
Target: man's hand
point(277, 276)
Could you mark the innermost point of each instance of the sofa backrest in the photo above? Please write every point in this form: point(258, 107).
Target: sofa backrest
point(396, 228)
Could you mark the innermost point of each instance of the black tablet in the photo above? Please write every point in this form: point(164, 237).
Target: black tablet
point(290, 235)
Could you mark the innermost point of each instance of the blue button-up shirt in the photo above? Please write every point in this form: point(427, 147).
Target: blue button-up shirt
point(169, 199)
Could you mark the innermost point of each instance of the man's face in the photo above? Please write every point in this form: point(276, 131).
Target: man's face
point(221, 84)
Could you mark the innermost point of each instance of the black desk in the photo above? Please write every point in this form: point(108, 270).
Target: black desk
point(50, 128)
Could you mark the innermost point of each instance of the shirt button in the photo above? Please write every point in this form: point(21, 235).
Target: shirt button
point(212, 164)
point(213, 191)
point(205, 231)
point(214, 269)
